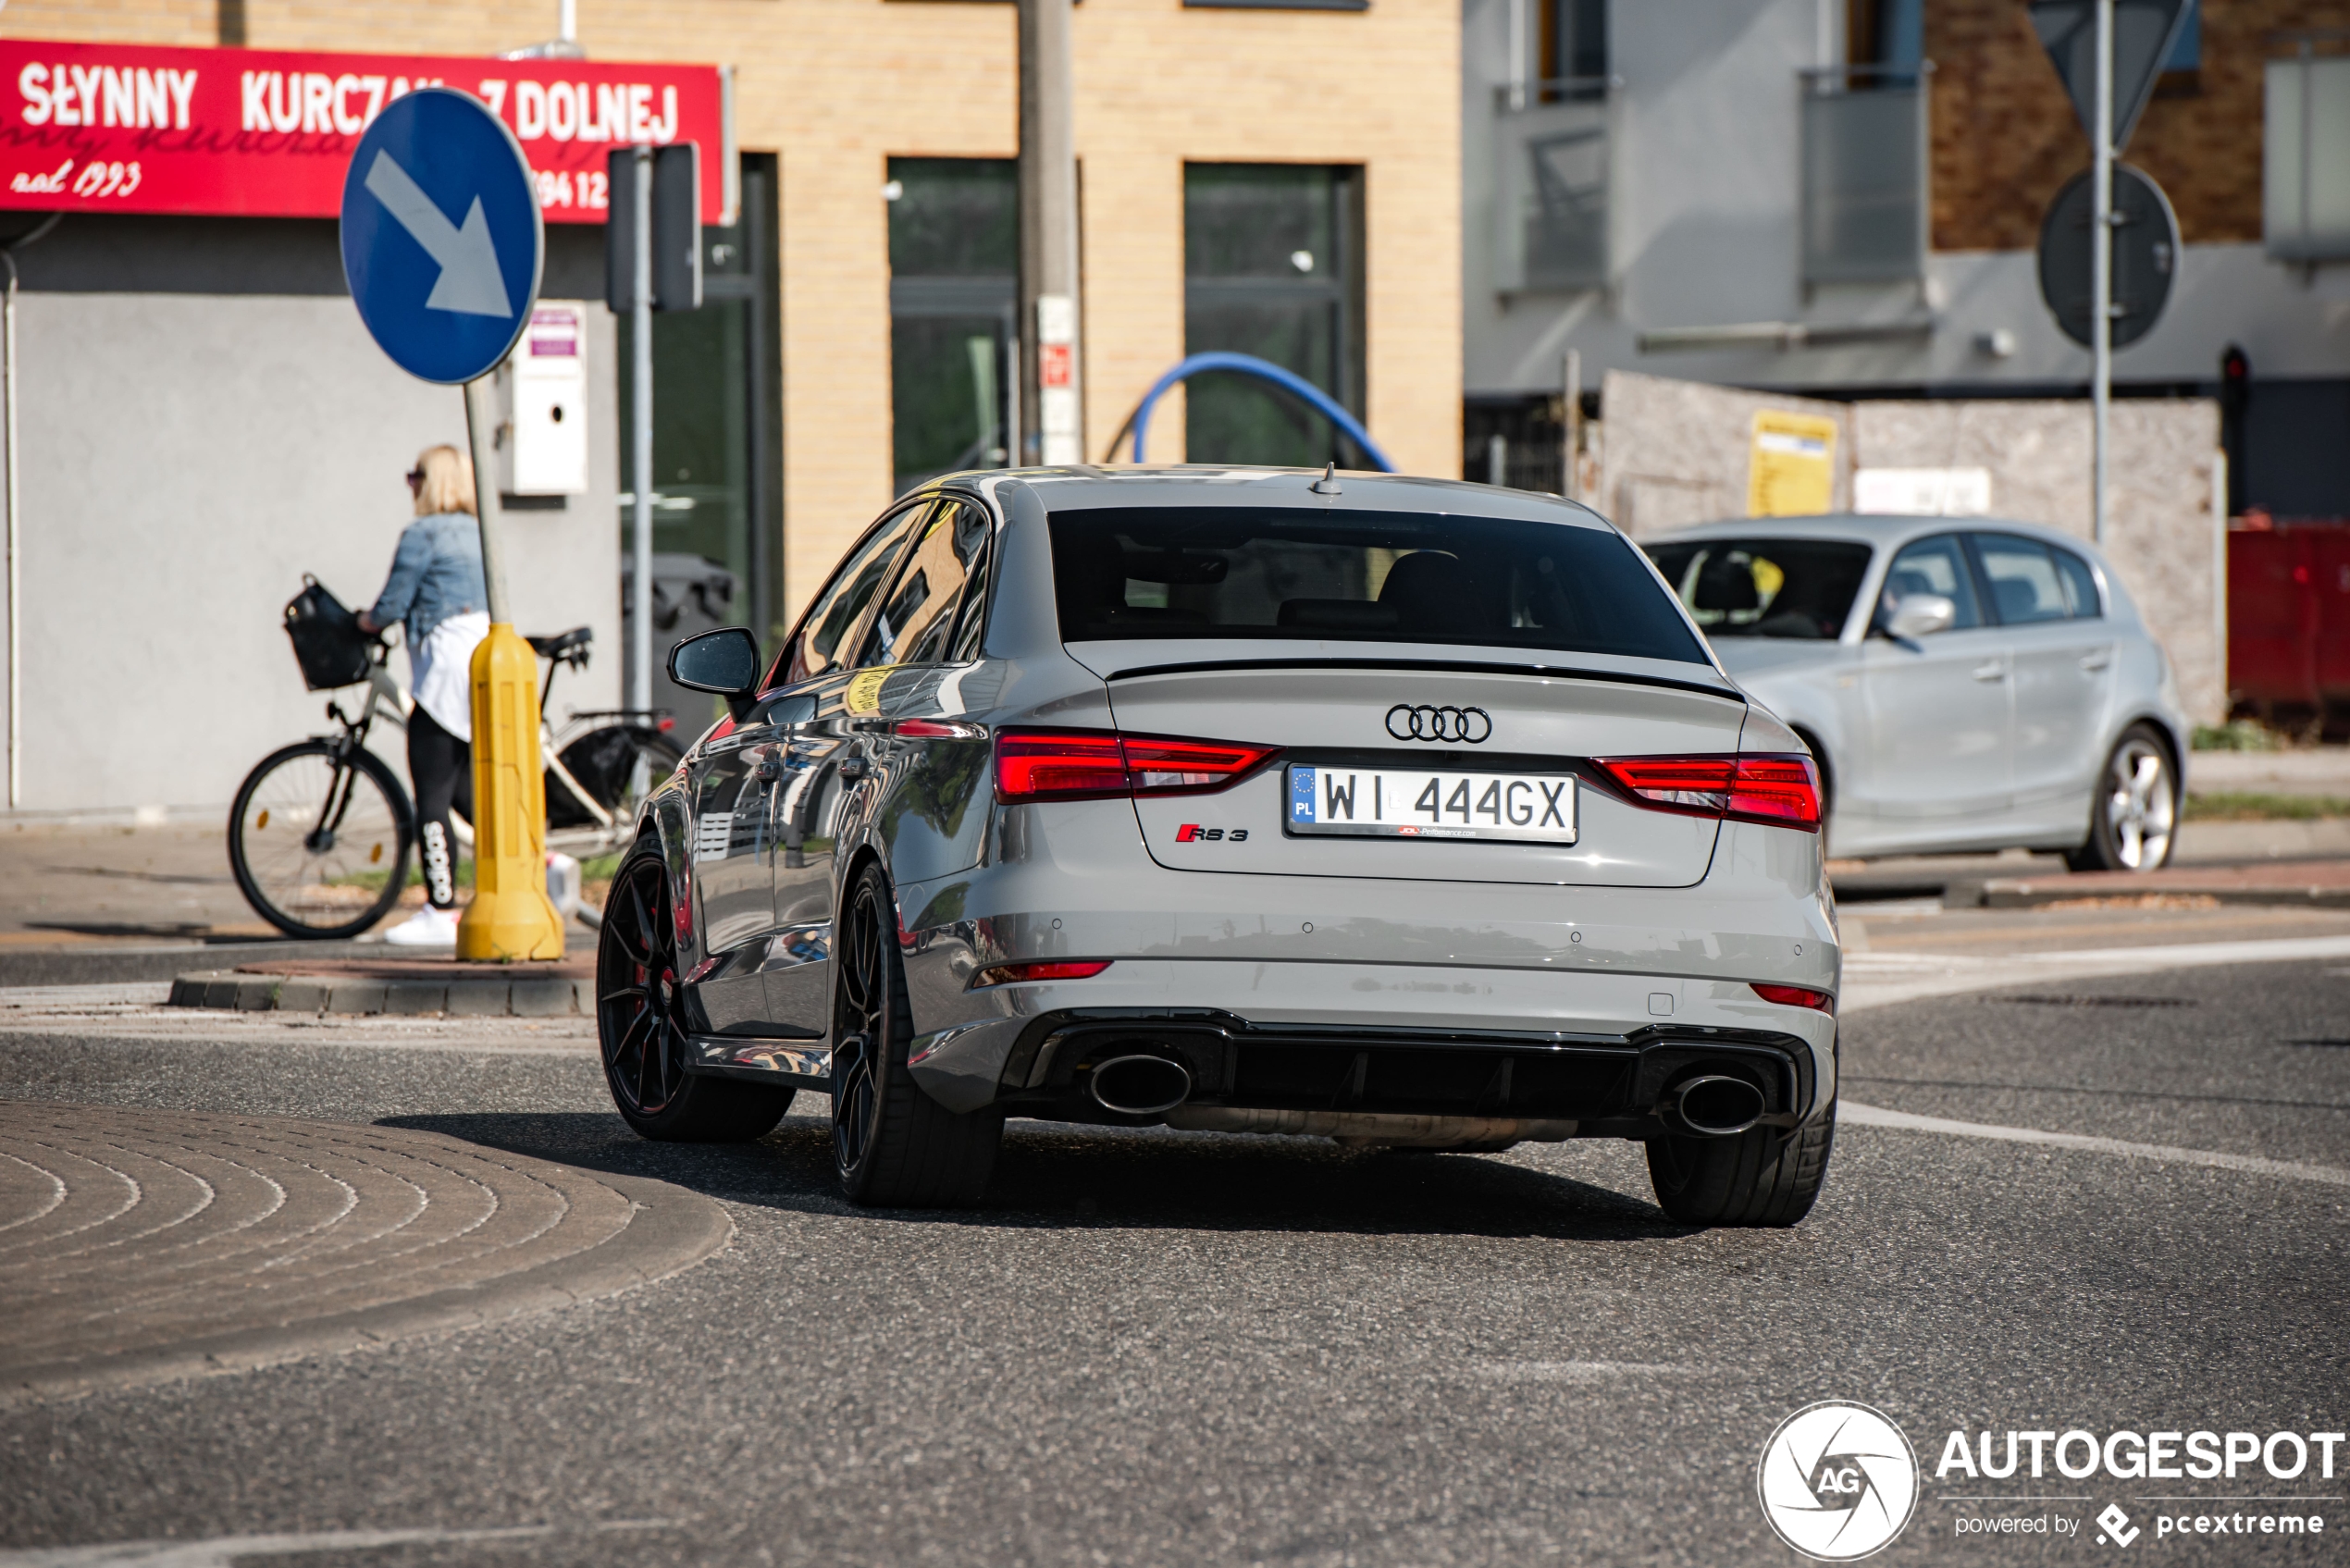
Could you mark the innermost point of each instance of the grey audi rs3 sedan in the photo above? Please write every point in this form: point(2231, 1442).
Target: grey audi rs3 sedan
point(1402, 812)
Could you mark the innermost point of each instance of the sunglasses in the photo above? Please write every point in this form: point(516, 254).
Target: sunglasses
point(415, 477)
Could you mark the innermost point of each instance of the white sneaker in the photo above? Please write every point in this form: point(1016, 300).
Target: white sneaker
point(427, 927)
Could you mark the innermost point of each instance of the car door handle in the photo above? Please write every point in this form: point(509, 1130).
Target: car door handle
point(1995, 671)
point(2096, 662)
point(771, 767)
point(852, 768)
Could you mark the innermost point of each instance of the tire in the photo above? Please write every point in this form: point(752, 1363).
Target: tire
point(2133, 817)
point(892, 1145)
point(1761, 1177)
point(313, 827)
point(641, 1033)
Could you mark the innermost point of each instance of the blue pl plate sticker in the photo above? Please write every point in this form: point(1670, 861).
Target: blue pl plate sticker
point(1300, 794)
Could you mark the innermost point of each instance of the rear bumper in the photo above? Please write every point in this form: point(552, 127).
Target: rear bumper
point(1432, 982)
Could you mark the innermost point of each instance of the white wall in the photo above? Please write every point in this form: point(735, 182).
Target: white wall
point(187, 457)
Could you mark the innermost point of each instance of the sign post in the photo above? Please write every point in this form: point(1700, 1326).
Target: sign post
point(2108, 54)
point(442, 246)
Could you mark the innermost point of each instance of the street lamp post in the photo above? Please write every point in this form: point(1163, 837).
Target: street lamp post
point(1051, 416)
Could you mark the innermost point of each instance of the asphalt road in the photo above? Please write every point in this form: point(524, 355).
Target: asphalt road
point(1186, 1349)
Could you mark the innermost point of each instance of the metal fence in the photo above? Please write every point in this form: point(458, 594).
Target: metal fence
point(1554, 139)
point(1865, 141)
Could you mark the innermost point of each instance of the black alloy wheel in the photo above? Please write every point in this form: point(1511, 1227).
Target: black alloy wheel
point(640, 1024)
point(893, 1144)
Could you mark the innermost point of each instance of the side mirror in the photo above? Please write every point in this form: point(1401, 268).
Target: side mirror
point(1920, 615)
point(724, 660)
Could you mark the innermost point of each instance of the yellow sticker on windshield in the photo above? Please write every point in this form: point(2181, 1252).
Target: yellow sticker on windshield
point(864, 691)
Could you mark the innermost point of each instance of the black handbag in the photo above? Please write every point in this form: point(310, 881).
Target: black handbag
point(327, 642)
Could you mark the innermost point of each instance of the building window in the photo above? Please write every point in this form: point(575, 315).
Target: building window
point(1273, 266)
point(1573, 47)
point(954, 291)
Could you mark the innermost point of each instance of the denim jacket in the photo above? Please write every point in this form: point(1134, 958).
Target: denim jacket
point(436, 573)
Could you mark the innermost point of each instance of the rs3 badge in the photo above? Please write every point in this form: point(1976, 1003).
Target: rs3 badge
point(1191, 832)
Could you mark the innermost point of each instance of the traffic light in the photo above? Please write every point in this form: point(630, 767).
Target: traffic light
point(2235, 396)
point(676, 229)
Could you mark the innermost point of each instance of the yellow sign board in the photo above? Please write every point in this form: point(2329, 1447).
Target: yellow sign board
point(1791, 467)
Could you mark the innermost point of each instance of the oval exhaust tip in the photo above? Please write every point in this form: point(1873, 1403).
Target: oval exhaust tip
point(1717, 1105)
point(1140, 1086)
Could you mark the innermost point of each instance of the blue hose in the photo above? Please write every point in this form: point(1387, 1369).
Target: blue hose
point(1249, 364)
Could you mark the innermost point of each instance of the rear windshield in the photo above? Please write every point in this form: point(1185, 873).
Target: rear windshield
point(1798, 588)
point(1373, 576)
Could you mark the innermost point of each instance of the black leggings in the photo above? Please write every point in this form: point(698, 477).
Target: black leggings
point(441, 767)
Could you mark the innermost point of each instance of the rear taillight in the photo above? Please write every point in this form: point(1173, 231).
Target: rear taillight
point(1781, 790)
point(1794, 997)
point(1089, 764)
point(1048, 968)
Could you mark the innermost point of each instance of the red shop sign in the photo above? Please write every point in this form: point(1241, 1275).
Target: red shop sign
point(269, 133)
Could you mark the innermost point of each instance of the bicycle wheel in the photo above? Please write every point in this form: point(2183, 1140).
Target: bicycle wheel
point(319, 838)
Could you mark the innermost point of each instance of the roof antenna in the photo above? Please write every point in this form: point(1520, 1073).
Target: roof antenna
point(1328, 484)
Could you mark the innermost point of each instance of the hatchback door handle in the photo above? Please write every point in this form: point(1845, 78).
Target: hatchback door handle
point(1991, 672)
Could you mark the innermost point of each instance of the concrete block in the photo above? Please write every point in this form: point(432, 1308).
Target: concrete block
point(257, 993)
point(355, 996)
point(483, 998)
point(189, 990)
point(300, 996)
point(416, 996)
point(541, 998)
point(221, 990)
point(583, 997)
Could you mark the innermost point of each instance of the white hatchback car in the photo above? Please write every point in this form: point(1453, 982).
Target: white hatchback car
point(1963, 685)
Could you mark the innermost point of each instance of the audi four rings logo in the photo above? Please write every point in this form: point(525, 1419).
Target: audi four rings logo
point(1471, 725)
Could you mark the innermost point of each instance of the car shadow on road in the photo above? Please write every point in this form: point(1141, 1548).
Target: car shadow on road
point(1056, 1176)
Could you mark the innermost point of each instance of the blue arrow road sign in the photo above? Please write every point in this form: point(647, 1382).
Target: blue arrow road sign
point(441, 237)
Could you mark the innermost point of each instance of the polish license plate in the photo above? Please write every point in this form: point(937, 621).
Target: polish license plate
point(1421, 803)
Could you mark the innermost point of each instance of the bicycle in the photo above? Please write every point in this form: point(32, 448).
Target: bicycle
point(321, 831)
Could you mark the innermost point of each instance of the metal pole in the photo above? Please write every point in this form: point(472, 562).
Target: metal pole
point(640, 327)
point(8, 396)
point(481, 434)
point(1051, 420)
point(2101, 271)
point(1571, 421)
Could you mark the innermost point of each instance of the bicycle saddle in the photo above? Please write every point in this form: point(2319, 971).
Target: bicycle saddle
point(561, 642)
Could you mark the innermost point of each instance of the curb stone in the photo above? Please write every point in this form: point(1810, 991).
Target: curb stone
point(487, 995)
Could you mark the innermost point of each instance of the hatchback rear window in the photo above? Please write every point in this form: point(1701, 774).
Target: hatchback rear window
point(1206, 573)
point(1800, 588)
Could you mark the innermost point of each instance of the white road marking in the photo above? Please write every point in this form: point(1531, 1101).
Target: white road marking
point(1880, 979)
point(1908, 976)
point(1850, 1114)
point(222, 1551)
point(1574, 1371)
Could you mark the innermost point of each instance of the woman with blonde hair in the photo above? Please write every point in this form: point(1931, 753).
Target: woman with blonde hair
point(436, 594)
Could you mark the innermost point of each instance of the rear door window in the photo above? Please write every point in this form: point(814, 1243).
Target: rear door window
point(1937, 565)
point(2022, 577)
point(1800, 588)
point(825, 635)
point(2081, 600)
point(918, 617)
point(1279, 573)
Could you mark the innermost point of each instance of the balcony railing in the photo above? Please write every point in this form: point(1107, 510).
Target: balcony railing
point(2306, 172)
point(1865, 141)
point(1553, 140)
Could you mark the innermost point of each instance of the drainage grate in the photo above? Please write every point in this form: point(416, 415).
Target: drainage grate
point(2097, 1001)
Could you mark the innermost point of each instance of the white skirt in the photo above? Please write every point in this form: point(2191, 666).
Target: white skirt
point(442, 665)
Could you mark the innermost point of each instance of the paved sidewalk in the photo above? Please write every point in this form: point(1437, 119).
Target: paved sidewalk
point(137, 1246)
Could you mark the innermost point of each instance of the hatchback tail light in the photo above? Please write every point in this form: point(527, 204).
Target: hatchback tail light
point(1783, 791)
point(1091, 764)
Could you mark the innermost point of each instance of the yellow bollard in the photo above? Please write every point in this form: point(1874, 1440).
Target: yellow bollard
point(511, 917)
